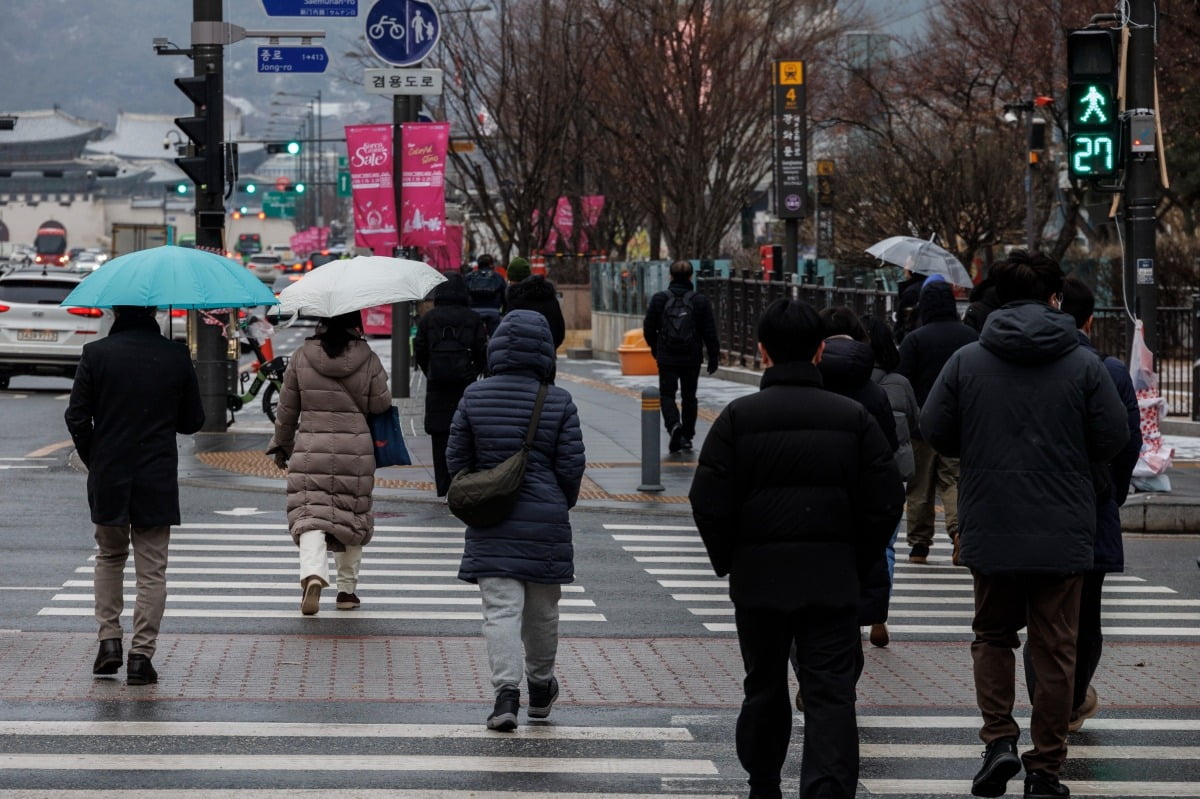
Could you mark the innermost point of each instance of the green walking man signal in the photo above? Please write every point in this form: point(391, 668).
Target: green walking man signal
point(1093, 125)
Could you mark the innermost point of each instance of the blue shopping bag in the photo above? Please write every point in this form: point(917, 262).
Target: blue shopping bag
point(388, 438)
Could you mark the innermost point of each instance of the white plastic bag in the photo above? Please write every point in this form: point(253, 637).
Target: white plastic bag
point(1150, 472)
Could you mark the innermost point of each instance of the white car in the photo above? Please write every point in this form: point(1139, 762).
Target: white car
point(37, 337)
point(265, 266)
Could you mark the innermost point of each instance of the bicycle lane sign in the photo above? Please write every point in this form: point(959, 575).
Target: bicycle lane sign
point(402, 32)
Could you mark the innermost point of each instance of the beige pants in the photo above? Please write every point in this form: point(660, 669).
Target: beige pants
point(150, 570)
point(315, 561)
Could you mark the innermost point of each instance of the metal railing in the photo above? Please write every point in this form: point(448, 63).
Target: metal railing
point(1175, 358)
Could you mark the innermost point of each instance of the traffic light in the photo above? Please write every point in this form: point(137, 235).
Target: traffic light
point(178, 188)
point(1093, 123)
point(205, 166)
point(290, 147)
point(298, 188)
point(250, 187)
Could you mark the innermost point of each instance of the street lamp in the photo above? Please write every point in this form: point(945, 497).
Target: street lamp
point(1035, 141)
point(319, 152)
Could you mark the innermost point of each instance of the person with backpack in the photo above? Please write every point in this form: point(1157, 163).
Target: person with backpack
point(486, 291)
point(679, 327)
point(450, 348)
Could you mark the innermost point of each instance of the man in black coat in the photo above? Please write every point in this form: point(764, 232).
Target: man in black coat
point(795, 495)
point(449, 330)
point(134, 391)
point(534, 293)
point(1029, 413)
point(679, 362)
point(923, 353)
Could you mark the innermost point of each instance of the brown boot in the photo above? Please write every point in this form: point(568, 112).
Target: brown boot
point(310, 601)
point(954, 553)
point(879, 635)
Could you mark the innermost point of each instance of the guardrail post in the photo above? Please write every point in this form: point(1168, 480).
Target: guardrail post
point(1195, 353)
point(651, 468)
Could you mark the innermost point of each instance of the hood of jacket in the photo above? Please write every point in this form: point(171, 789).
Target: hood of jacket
point(937, 302)
point(846, 363)
point(351, 360)
point(1029, 332)
point(451, 292)
point(533, 289)
point(522, 344)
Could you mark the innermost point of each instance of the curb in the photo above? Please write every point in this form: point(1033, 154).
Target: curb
point(1160, 513)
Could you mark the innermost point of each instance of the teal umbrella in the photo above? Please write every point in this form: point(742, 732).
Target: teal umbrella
point(176, 277)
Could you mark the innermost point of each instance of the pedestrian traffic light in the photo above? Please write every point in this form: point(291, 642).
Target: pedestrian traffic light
point(205, 165)
point(1093, 122)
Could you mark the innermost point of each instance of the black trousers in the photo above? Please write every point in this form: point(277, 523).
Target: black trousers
point(683, 379)
point(1089, 643)
point(828, 653)
point(441, 472)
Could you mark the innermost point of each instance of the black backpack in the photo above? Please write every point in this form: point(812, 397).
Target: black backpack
point(677, 333)
point(449, 358)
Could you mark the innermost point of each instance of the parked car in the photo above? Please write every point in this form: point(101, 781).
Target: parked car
point(265, 266)
point(37, 337)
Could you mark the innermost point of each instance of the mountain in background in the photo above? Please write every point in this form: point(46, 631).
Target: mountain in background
point(95, 59)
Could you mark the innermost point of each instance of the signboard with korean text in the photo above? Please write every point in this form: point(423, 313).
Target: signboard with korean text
point(311, 8)
point(292, 59)
point(791, 140)
point(403, 81)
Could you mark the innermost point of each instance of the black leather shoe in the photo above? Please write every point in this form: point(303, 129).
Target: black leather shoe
point(139, 671)
point(109, 658)
point(1044, 786)
point(1000, 764)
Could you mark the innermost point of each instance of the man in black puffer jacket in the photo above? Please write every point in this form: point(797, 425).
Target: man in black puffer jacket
point(796, 494)
point(923, 353)
point(1029, 412)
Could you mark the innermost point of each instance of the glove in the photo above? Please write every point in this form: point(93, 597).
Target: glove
point(281, 459)
point(712, 367)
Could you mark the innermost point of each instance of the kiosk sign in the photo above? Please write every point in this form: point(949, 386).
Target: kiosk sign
point(791, 140)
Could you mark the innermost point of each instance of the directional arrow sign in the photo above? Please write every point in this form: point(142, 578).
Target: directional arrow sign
point(292, 59)
point(311, 8)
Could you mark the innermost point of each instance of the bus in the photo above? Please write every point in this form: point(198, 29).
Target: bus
point(248, 244)
point(50, 244)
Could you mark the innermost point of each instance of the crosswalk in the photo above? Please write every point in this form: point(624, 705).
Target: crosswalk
point(408, 573)
point(902, 756)
point(934, 599)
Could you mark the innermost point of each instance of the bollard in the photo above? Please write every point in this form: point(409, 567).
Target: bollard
point(651, 468)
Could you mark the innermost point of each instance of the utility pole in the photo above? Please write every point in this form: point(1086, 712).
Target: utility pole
point(208, 342)
point(1141, 170)
point(405, 108)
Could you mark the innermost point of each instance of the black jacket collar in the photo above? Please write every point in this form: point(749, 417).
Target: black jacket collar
point(795, 373)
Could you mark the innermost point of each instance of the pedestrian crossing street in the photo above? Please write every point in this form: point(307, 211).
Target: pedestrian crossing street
point(688, 756)
point(934, 599)
point(408, 573)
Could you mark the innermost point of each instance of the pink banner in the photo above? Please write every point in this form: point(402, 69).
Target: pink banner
point(423, 190)
point(564, 222)
point(369, 148)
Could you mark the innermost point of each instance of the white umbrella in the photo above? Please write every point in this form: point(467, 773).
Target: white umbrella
point(921, 257)
point(339, 287)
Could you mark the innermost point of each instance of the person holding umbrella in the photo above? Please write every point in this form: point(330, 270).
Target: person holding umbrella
point(329, 454)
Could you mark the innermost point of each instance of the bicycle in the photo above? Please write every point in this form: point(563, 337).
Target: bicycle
point(395, 29)
point(269, 374)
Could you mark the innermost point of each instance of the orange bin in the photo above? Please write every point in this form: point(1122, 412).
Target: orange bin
point(635, 356)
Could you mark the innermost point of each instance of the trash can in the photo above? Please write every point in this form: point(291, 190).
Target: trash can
point(635, 356)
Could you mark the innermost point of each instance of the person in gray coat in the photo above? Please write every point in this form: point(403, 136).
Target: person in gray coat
point(521, 563)
point(1029, 412)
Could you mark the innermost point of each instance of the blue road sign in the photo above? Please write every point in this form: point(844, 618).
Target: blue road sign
point(402, 32)
point(311, 8)
point(292, 59)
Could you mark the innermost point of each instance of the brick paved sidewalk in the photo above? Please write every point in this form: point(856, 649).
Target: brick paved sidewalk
point(627, 672)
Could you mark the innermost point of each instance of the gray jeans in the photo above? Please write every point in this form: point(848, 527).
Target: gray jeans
point(517, 613)
point(150, 568)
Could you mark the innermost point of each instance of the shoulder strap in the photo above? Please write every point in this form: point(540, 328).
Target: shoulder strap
point(537, 415)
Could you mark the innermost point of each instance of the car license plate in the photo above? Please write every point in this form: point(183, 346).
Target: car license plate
point(37, 335)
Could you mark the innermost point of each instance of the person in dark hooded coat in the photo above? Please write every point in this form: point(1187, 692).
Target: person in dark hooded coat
point(535, 293)
point(923, 353)
point(521, 563)
point(846, 366)
point(459, 332)
point(133, 392)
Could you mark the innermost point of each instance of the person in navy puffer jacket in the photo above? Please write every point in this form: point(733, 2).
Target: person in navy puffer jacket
point(521, 563)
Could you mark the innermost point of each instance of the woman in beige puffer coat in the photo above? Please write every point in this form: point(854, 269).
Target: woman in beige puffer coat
point(322, 439)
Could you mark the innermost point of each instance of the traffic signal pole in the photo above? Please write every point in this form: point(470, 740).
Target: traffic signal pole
point(405, 108)
point(1141, 172)
point(208, 344)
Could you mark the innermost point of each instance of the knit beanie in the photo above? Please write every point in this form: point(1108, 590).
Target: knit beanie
point(518, 269)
